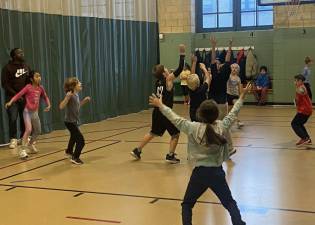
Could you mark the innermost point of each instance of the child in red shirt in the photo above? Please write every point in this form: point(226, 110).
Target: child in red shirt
point(304, 111)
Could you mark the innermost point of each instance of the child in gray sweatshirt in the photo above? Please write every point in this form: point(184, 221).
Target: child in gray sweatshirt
point(208, 148)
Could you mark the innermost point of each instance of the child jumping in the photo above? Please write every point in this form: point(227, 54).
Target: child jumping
point(234, 89)
point(163, 87)
point(183, 82)
point(304, 111)
point(208, 147)
point(32, 92)
point(72, 105)
point(197, 91)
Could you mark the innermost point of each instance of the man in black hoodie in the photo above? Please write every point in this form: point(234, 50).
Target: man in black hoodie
point(14, 77)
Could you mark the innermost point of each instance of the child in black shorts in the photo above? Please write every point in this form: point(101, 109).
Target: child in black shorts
point(197, 91)
point(163, 87)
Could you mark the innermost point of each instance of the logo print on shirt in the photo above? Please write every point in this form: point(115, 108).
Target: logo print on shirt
point(159, 91)
point(20, 72)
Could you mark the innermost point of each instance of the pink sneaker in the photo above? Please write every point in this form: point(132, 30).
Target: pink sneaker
point(306, 141)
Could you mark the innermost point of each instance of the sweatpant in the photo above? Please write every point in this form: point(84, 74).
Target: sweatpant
point(298, 125)
point(308, 88)
point(203, 178)
point(32, 125)
point(76, 138)
point(261, 95)
point(14, 111)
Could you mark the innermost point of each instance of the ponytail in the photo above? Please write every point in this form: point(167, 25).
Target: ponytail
point(214, 138)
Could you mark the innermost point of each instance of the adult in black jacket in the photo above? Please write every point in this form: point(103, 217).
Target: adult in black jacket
point(14, 78)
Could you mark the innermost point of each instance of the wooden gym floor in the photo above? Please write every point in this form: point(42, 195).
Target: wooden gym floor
point(272, 180)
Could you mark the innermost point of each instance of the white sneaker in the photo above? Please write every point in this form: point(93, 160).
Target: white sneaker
point(32, 149)
point(20, 141)
point(240, 124)
point(23, 154)
point(13, 143)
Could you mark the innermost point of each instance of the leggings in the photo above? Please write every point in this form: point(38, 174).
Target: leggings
point(32, 125)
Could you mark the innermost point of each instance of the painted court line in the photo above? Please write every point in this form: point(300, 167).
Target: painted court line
point(90, 219)
point(155, 197)
point(59, 160)
point(89, 132)
point(154, 201)
point(11, 188)
point(77, 195)
point(20, 181)
point(33, 158)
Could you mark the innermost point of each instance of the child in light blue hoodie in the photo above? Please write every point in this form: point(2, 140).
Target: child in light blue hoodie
point(208, 148)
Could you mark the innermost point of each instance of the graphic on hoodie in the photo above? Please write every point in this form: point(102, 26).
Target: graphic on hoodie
point(20, 72)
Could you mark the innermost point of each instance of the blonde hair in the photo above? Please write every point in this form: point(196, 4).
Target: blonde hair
point(237, 66)
point(70, 84)
point(193, 81)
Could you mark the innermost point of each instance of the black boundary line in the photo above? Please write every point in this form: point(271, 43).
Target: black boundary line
point(127, 121)
point(304, 147)
point(91, 219)
point(164, 142)
point(145, 197)
point(37, 157)
point(53, 162)
point(78, 194)
point(301, 148)
point(267, 125)
point(11, 188)
point(20, 181)
point(89, 132)
point(272, 121)
point(154, 201)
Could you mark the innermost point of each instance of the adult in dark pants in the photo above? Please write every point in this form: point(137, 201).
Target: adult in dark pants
point(14, 78)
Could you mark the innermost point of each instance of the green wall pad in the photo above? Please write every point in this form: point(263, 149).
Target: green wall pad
point(112, 58)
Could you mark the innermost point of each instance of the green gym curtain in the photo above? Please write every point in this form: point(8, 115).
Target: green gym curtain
point(110, 45)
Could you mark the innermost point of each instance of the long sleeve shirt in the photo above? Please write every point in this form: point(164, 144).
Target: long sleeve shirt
point(198, 151)
point(262, 81)
point(32, 96)
point(307, 74)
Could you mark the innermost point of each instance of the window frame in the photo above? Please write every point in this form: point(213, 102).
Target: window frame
point(236, 19)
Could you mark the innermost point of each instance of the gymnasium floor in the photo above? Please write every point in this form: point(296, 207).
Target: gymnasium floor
point(272, 181)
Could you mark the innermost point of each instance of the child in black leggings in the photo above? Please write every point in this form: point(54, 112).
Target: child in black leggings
point(72, 105)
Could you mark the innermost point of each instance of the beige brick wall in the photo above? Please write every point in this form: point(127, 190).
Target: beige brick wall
point(294, 16)
point(176, 16)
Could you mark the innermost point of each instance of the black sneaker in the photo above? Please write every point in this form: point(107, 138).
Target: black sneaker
point(171, 158)
point(68, 154)
point(76, 161)
point(136, 153)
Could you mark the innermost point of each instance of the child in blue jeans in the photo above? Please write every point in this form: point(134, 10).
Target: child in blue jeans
point(208, 147)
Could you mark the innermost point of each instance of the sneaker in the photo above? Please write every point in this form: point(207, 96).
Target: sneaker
point(171, 158)
point(32, 149)
point(136, 153)
point(240, 124)
point(13, 143)
point(304, 141)
point(23, 154)
point(68, 155)
point(20, 141)
point(232, 152)
point(76, 161)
